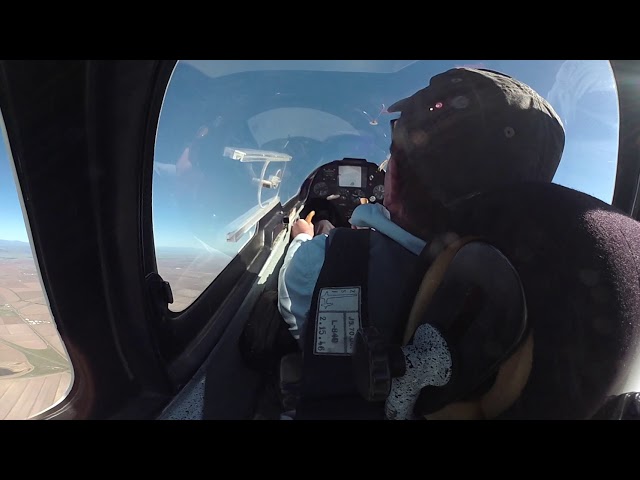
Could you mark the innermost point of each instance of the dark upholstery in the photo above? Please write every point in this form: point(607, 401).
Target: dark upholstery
point(579, 262)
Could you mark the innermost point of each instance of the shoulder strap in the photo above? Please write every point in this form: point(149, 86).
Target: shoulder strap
point(435, 270)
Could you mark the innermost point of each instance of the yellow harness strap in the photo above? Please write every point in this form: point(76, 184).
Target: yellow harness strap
point(430, 283)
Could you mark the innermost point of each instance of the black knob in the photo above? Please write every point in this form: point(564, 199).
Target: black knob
point(375, 364)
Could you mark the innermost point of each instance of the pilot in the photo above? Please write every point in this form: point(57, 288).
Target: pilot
point(470, 130)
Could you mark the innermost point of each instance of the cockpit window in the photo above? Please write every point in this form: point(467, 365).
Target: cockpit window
point(584, 95)
point(238, 137)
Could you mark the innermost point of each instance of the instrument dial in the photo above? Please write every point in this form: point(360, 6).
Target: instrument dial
point(321, 189)
point(378, 192)
point(357, 195)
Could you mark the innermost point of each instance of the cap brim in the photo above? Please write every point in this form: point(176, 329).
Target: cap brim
point(399, 105)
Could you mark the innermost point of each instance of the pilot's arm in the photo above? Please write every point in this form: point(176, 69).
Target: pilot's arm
point(298, 277)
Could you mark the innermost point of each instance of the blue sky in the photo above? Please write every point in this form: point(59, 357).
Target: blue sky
point(200, 204)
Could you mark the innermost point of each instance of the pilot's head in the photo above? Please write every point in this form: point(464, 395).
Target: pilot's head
point(472, 130)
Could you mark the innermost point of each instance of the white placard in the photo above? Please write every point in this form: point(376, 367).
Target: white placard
point(337, 320)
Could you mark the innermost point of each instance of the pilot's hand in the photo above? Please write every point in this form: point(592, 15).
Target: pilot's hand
point(303, 226)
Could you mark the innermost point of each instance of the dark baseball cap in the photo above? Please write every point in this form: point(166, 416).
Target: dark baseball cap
point(475, 129)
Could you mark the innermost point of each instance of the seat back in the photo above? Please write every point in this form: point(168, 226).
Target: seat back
point(579, 261)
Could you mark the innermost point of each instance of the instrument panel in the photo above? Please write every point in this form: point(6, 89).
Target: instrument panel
point(343, 183)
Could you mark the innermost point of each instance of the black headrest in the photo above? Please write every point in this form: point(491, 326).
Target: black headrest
point(578, 259)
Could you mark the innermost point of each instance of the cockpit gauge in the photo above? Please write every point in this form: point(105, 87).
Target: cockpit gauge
point(357, 195)
point(321, 189)
point(378, 191)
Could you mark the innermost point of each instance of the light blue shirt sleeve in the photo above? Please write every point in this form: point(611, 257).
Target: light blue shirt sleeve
point(297, 280)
